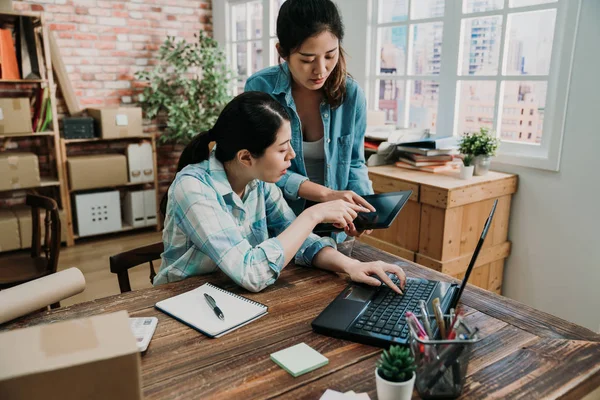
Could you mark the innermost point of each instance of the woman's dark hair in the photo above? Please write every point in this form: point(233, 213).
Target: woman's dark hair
point(299, 20)
point(250, 121)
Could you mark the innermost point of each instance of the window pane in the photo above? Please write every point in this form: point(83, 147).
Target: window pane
point(239, 87)
point(256, 19)
point(480, 45)
point(274, 55)
point(393, 10)
point(473, 6)
point(426, 51)
point(530, 38)
point(275, 6)
point(476, 106)
point(241, 58)
point(427, 9)
point(256, 60)
point(239, 21)
point(423, 105)
point(524, 102)
point(523, 3)
point(392, 50)
point(391, 100)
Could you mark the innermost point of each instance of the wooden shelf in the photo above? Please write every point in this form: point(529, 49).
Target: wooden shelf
point(45, 182)
point(128, 184)
point(23, 135)
point(67, 141)
point(23, 81)
point(125, 228)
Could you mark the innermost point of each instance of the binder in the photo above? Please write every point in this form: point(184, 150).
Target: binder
point(27, 54)
point(9, 68)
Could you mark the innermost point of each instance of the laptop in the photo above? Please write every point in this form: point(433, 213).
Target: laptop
point(387, 206)
point(375, 315)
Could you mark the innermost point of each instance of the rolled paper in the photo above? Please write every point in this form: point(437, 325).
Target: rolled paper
point(34, 295)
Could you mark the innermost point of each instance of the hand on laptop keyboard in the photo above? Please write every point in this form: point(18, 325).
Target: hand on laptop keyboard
point(376, 273)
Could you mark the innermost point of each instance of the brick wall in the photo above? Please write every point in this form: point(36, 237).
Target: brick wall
point(103, 43)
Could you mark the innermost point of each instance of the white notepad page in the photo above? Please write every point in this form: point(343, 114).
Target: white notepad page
point(192, 309)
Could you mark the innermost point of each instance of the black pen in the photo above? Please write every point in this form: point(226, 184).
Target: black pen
point(213, 304)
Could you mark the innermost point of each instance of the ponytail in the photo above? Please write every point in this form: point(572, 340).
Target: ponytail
point(195, 152)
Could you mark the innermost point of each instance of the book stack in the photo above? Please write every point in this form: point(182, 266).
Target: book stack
point(428, 155)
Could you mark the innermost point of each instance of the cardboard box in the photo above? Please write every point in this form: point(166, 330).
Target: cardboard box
point(15, 116)
point(9, 231)
point(98, 213)
point(23, 214)
point(19, 170)
point(139, 208)
point(117, 122)
point(141, 162)
point(89, 358)
point(97, 171)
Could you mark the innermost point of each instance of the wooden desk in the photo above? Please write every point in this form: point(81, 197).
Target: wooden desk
point(524, 353)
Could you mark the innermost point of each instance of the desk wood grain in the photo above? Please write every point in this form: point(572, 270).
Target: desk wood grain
point(524, 354)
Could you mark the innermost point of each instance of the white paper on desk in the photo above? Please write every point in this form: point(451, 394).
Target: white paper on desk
point(334, 395)
point(39, 293)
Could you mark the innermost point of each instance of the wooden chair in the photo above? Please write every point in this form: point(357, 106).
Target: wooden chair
point(122, 262)
point(43, 260)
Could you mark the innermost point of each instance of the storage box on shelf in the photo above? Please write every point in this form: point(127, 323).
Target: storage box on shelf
point(120, 122)
point(90, 173)
point(21, 172)
point(441, 223)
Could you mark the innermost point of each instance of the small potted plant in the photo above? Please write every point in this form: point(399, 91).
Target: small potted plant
point(466, 170)
point(481, 146)
point(395, 374)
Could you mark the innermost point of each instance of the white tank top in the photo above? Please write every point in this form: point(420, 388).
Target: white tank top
point(314, 160)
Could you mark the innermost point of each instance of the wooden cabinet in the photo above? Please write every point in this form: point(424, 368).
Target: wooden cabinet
point(442, 221)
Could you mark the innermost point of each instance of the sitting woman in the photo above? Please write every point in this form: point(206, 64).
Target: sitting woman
point(223, 210)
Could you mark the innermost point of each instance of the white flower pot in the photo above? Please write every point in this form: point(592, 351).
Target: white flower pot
point(387, 390)
point(482, 165)
point(466, 172)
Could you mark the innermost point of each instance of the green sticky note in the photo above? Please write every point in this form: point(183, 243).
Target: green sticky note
point(299, 359)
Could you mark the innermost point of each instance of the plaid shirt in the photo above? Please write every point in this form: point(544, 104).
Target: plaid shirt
point(208, 226)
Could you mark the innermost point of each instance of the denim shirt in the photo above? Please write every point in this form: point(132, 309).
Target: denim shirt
point(344, 134)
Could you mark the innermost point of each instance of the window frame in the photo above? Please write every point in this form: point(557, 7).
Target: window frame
point(545, 155)
point(223, 34)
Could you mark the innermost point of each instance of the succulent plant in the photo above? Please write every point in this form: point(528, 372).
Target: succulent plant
point(396, 364)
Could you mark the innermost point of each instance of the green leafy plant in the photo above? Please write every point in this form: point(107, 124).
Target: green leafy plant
point(482, 143)
point(188, 88)
point(396, 365)
point(468, 160)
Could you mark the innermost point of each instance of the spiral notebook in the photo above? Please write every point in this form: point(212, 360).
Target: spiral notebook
point(192, 309)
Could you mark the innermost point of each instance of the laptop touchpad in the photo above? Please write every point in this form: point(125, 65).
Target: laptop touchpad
point(358, 293)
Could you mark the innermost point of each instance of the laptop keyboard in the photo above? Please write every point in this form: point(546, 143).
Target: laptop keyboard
point(385, 313)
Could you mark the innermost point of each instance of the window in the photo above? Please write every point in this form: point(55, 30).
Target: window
point(456, 66)
point(408, 61)
point(247, 30)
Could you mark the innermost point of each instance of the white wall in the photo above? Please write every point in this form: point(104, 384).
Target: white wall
point(555, 217)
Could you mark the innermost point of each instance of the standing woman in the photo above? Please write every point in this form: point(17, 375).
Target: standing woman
point(326, 106)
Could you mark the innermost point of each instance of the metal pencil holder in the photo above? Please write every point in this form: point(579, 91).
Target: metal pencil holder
point(441, 366)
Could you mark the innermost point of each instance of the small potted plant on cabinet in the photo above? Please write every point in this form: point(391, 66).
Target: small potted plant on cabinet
point(481, 146)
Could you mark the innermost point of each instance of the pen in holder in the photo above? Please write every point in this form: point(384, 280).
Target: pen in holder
point(441, 364)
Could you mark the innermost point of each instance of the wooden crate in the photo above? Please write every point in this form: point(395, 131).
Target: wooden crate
point(441, 223)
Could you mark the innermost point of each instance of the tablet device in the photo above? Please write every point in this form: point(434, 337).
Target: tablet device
point(387, 206)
